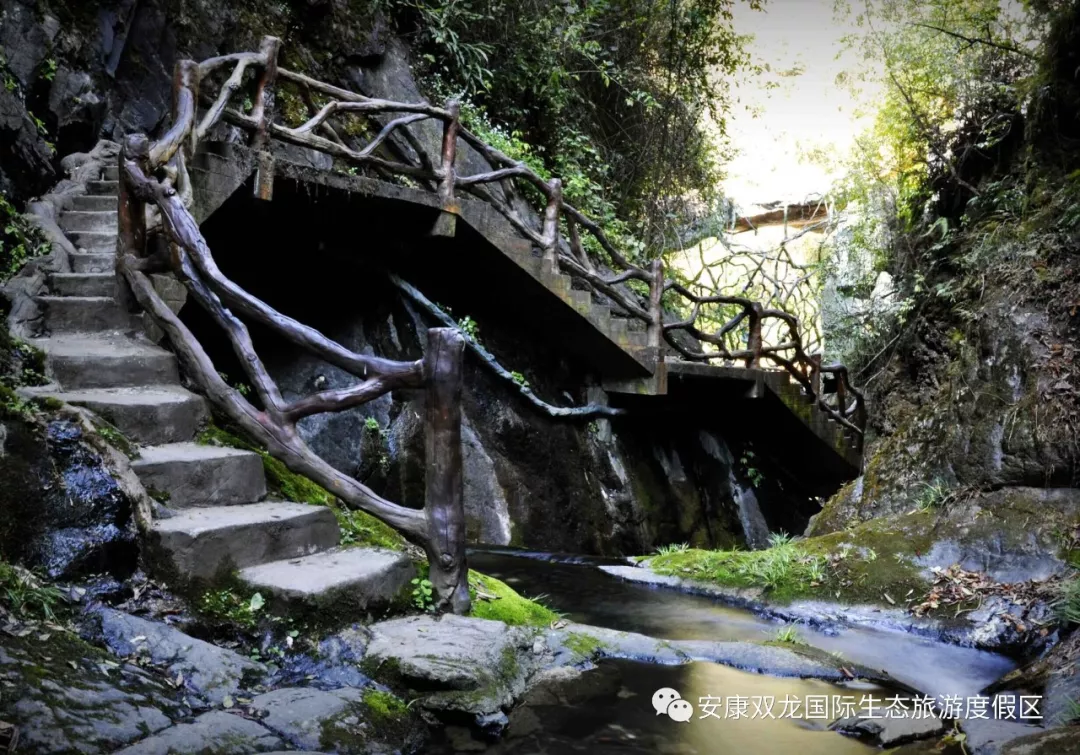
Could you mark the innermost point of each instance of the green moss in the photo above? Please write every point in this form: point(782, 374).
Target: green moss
point(115, 438)
point(384, 707)
point(584, 645)
point(869, 563)
point(504, 604)
point(357, 527)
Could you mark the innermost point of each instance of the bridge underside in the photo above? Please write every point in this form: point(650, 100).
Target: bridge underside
point(320, 218)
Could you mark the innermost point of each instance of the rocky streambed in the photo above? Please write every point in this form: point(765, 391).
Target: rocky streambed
point(421, 683)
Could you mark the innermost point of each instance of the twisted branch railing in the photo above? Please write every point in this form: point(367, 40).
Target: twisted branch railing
point(569, 239)
point(155, 175)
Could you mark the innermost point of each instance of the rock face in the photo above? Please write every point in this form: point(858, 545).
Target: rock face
point(60, 506)
point(983, 414)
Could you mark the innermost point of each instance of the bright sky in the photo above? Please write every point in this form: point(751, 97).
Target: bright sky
point(772, 128)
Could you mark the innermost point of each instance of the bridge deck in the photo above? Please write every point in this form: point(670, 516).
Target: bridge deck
point(515, 277)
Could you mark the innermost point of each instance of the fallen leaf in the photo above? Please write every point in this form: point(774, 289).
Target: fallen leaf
point(228, 701)
point(889, 598)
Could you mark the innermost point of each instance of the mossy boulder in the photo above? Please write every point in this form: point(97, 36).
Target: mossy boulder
point(463, 669)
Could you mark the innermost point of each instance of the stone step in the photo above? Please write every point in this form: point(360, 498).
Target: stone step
point(348, 581)
point(100, 188)
point(79, 220)
point(83, 314)
point(204, 543)
point(106, 361)
point(83, 284)
point(581, 301)
point(93, 263)
point(197, 475)
point(95, 242)
point(150, 416)
point(94, 203)
point(111, 172)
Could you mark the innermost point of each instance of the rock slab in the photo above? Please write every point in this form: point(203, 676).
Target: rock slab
point(216, 732)
point(208, 670)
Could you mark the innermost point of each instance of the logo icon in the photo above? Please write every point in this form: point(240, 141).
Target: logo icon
point(668, 701)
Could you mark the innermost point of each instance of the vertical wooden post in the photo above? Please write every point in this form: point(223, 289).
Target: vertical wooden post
point(444, 500)
point(446, 223)
point(815, 375)
point(654, 331)
point(551, 223)
point(263, 114)
point(841, 394)
point(753, 336)
point(131, 211)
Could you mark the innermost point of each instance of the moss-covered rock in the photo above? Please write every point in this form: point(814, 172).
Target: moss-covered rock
point(495, 600)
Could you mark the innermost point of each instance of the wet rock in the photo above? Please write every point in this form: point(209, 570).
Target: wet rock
point(455, 664)
point(208, 670)
point(300, 715)
point(65, 696)
point(215, 732)
point(889, 732)
point(1062, 741)
point(61, 508)
point(334, 664)
point(989, 736)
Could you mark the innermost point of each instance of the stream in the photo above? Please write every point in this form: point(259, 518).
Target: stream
point(608, 709)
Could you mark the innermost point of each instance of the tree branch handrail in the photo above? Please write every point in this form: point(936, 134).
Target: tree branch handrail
point(565, 252)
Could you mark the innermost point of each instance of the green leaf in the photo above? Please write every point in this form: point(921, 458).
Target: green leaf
point(257, 602)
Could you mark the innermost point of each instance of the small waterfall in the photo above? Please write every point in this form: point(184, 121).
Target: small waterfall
point(755, 530)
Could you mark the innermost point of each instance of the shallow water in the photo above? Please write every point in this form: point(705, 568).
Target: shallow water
point(589, 596)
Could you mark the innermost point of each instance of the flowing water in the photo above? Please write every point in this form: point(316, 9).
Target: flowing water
point(609, 710)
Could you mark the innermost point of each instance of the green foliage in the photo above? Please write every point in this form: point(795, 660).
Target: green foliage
point(934, 495)
point(789, 635)
point(518, 378)
point(422, 594)
point(372, 425)
point(20, 241)
point(607, 95)
point(1067, 604)
point(663, 550)
point(26, 596)
point(953, 77)
point(496, 600)
point(229, 607)
point(784, 567)
point(469, 328)
point(750, 470)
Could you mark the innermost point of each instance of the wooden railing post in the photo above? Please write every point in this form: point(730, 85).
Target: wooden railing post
point(263, 115)
point(654, 331)
point(551, 223)
point(444, 501)
point(841, 394)
point(815, 375)
point(446, 224)
point(753, 336)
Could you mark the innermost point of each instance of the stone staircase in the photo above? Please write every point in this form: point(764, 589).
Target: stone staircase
point(214, 520)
